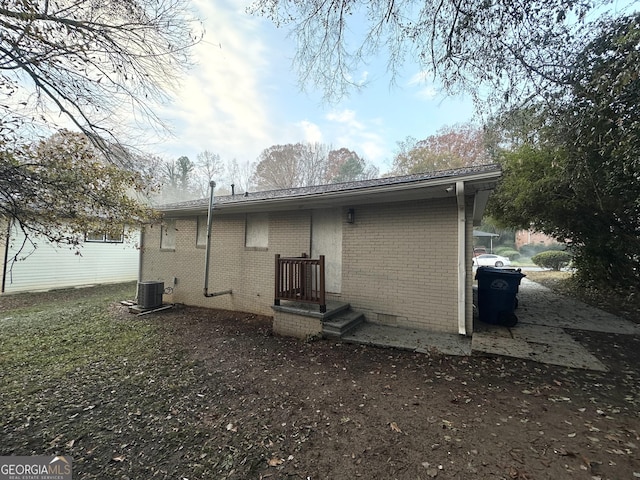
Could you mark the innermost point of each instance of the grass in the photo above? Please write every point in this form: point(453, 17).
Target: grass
point(81, 378)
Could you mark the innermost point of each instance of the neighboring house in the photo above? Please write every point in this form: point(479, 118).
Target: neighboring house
point(101, 258)
point(396, 249)
point(531, 237)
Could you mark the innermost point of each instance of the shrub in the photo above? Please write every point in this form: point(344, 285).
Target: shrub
point(508, 252)
point(551, 259)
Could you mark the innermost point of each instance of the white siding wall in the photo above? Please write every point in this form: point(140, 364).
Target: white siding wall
point(48, 267)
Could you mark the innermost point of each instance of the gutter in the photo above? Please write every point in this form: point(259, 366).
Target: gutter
point(462, 267)
point(205, 290)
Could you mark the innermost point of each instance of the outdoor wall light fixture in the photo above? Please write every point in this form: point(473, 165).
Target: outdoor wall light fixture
point(351, 215)
point(449, 189)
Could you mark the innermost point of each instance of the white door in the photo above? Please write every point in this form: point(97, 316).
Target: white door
point(326, 239)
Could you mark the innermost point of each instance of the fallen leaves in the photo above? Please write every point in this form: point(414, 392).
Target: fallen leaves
point(199, 394)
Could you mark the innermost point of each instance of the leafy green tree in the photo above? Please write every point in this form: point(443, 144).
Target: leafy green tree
point(580, 179)
point(178, 182)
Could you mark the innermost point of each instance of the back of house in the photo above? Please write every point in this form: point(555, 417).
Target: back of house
point(397, 249)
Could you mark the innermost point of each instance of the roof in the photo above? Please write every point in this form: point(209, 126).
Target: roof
point(407, 187)
point(480, 233)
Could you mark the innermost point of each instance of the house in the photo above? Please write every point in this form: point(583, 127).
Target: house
point(531, 237)
point(397, 249)
point(102, 257)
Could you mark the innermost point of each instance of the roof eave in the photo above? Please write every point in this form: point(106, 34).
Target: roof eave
point(421, 189)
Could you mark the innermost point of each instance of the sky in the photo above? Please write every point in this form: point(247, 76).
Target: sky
point(243, 96)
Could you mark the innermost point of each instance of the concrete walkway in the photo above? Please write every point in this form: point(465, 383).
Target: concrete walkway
point(539, 335)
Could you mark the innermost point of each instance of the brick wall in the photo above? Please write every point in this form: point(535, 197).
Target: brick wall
point(248, 272)
point(398, 263)
point(292, 325)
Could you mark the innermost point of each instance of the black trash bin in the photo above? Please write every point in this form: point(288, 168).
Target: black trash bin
point(497, 295)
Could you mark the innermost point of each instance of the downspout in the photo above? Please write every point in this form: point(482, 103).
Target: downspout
point(206, 293)
point(140, 259)
point(6, 255)
point(462, 263)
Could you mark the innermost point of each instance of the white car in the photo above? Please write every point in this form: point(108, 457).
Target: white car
point(490, 260)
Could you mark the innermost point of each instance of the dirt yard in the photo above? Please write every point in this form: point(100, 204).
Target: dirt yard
point(200, 394)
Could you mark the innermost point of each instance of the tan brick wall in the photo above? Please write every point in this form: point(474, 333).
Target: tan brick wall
point(399, 264)
point(291, 325)
point(248, 272)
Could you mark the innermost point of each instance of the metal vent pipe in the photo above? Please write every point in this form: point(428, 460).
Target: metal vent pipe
point(212, 185)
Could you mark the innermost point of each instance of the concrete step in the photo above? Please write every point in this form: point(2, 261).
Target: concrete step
point(342, 323)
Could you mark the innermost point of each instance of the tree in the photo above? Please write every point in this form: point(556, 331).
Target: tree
point(291, 165)
point(90, 63)
point(451, 147)
point(63, 187)
point(344, 165)
point(240, 175)
point(580, 179)
point(185, 168)
point(99, 67)
point(513, 50)
point(209, 167)
point(178, 182)
point(277, 167)
point(305, 164)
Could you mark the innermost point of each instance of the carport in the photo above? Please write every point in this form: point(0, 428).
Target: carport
point(481, 234)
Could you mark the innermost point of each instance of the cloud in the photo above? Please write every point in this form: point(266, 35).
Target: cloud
point(221, 104)
point(363, 136)
point(311, 132)
point(428, 93)
point(419, 78)
point(427, 90)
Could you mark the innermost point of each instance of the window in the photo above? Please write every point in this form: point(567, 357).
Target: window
point(257, 230)
point(201, 235)
point(113, 235)
point(168, 235)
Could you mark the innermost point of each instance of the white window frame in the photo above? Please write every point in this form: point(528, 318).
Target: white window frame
point(98, 236)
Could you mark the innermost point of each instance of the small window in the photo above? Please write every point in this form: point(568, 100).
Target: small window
point(201, 235)
point(168, 235)
point(113, 235)
point(257, 230)
point(94, 237)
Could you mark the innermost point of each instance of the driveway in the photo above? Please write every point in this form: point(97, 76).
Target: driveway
point(542, 333)
point(544, 319)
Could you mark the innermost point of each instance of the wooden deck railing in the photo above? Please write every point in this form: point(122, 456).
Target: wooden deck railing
point(300, 279)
